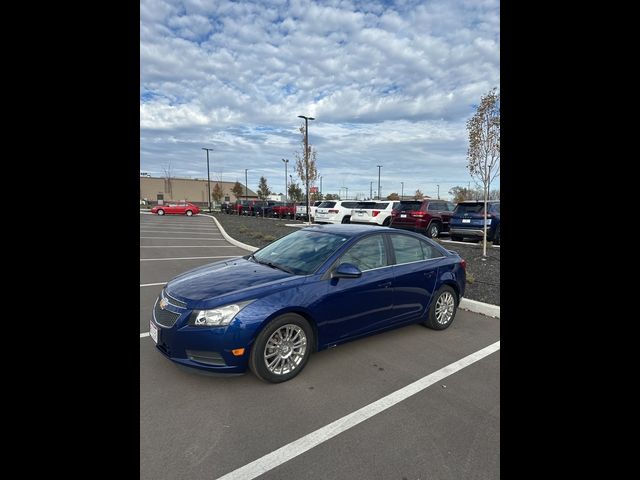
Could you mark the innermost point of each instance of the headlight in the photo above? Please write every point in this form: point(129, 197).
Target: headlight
point(216, 317)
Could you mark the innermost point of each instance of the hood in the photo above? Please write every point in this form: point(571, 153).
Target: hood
point(223, 278)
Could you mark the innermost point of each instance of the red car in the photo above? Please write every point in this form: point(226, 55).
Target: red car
point(182, 208)
point(284, 210)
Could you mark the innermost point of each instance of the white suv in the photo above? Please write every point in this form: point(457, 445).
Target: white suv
point(335, 211)
point(374, 213)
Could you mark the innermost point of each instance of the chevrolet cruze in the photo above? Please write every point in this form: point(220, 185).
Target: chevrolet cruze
point(310, 290)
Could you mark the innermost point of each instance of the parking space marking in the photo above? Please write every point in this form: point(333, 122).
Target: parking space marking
point(144, 334)
point(313, 439)
point(467, 243)
point(152, 284)
point(186, 238)
point(186, 258)
point(188, 246)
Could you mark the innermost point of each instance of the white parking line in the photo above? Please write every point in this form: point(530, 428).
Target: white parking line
point(145, 334)
point(185, 258)
point(152, 284)
point(163, 227)
point(186, 238)
point(313, 439)
point(467, 243)
point(164, 231)
point(188, 246)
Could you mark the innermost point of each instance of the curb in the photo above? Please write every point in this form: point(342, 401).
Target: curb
point(226, 235)
point(480, 307)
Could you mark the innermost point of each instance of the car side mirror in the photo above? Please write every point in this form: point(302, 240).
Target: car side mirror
point(346, 270)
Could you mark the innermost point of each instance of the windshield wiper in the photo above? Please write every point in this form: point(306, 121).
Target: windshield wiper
point(273, 265)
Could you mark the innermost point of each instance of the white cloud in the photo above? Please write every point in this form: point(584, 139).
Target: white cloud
point(389, 83)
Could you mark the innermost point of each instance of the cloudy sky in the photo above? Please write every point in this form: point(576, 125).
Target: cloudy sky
point(390, 83)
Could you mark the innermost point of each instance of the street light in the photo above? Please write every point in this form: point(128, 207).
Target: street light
point(245, 184)
point(438, 192)
point(379, 167)
point(306, 157)
point(370, 190)
point(321, 186)
point(402, 191)
point(285, 160)
point(208, 179)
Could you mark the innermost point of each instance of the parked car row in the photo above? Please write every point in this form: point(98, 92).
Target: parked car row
point(429, 216)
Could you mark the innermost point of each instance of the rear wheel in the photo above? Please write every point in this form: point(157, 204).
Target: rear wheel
point(387, 222)
point(189, 213)
point(160, 212)
point(282, 349)
point(346, 219)
point(496, 236)
point(443, 309)
point(433, 230)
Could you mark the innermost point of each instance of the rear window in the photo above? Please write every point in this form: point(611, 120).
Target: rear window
point(366, 205)
point(327, 205)
point(349, 204)
point(463, 208)
point(408, 206)
point(381, 206)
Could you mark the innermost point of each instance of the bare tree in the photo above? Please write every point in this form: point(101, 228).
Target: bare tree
point(237, 190)
point(419, 195)
point(168, 184)
point(332, 196)
point(216, 193)
point(263, 189)
point(306, 165)
point(393, 196)
point(484, 148)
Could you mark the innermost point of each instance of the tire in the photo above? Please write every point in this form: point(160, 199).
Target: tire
point(387, 222)
point(160, 212)
point(457, 238)
point(442, 311)
point(269, 344)
point(496, 236)
point(433, 230)
point(189, 213)
point(346, 219)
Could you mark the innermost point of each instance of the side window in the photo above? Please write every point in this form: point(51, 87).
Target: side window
point(429, 252)
point(367, 254)
point(407, 249)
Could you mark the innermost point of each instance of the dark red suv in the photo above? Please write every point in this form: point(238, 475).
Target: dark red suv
point(426, 216)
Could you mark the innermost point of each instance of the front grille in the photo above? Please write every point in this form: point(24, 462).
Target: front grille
point(173, 301)
point(164, 318)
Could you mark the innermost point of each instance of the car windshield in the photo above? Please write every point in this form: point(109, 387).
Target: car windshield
point(301, 252)
point(463, 208)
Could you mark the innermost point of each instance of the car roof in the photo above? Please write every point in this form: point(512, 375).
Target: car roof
point(478, 201)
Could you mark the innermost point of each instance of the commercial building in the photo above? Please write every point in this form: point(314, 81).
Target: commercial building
point(153, 189)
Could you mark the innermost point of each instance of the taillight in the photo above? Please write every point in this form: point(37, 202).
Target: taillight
point(333, 211)
point(463, 264)
point(418, 214)
point(375, 212)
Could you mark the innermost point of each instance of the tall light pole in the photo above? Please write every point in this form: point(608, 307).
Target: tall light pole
point(379, 167)
point(321, 186)
point(402, 191)
point(371, 190)
point(285, 160)
point(438, 192)
point(246, 186)
point(208, 179)
point(306, 157)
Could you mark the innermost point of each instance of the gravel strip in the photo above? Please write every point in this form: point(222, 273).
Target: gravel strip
point(483, 276)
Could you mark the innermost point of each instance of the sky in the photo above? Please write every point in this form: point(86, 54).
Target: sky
point(390, 83)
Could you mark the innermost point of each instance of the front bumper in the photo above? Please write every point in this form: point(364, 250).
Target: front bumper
point(206, 349)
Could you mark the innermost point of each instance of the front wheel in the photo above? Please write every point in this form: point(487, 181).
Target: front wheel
point(160, 212)
point(346, 219)
point(189, 213)
point(282, 349)
point(443, 309)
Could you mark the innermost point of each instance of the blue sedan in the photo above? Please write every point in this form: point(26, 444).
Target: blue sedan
point(310, 290)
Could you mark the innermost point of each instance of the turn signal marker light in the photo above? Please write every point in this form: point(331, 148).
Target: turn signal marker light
point(238, 352)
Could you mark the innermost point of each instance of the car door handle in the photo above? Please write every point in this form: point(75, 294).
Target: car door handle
point(428, 274)
point(384, 285)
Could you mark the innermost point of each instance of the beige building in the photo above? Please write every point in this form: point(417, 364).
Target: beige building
point(192, 190)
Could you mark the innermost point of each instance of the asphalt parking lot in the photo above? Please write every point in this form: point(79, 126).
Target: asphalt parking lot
point(194, 426)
